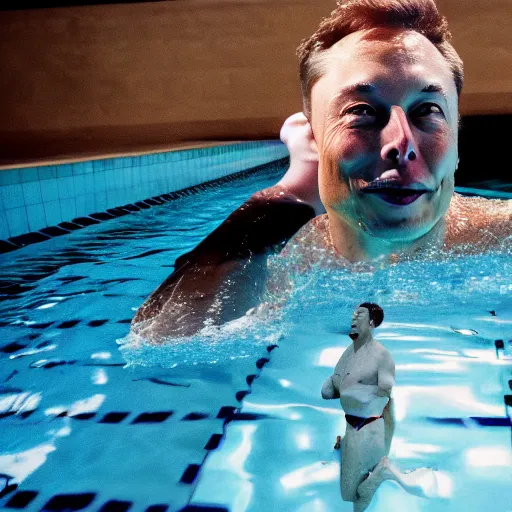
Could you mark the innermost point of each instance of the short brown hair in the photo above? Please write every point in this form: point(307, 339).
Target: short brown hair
point(354, 15)
point(376, 313)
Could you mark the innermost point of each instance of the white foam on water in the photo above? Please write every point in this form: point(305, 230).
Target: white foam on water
point(238, 339)
point(458, 285)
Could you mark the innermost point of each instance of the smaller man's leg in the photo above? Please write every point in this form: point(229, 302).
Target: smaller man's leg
point(389, 424)
point(369, 486)
point(362, 451)
point(421, 482)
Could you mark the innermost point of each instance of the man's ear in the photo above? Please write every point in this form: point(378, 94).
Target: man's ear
point(314, 145)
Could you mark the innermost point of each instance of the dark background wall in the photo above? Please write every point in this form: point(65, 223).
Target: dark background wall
point(118, 78)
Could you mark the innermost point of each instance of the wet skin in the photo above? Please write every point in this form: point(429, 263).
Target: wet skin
point(385, 120)
point(362, 380)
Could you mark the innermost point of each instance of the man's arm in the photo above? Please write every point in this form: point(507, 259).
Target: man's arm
point(329, 389)
point(302, 175)
point(224, 275)
point(386, 381)
point(386, 375)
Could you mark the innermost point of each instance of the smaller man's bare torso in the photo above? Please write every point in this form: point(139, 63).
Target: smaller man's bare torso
point(356, 379)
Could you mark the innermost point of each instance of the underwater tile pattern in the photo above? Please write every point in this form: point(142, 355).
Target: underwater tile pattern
point(38, 197)
point(80, 430)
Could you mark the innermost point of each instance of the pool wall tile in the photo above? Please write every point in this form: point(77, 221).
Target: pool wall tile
point(68, 208)
point(17, 220)
point(4, 227)
point(52, 213)
point(12, 196)
point(48, 172)
point(32, 192)
point(89, 183)
point(63, 170)
point(36, 217)
point(81, 205)
point(38, 197)
point(10, 177)
point(79, 183)
point(100, 201)
point(49, 189)
point(30, 174)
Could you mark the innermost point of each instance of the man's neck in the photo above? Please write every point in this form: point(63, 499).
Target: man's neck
point(359, 342)
point(354, 244)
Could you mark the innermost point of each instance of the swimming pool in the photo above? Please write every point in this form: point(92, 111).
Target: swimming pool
point(229, 420)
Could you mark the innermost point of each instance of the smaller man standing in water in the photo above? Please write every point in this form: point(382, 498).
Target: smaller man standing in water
point(363, 379)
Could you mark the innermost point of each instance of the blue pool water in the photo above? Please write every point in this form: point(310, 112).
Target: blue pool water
point(91, 419)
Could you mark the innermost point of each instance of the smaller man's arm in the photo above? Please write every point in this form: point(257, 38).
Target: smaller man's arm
point(386, 381)
point(329, 389)
point(386, 375)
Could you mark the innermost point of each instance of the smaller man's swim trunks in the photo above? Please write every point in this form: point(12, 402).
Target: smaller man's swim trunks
point(357, 422)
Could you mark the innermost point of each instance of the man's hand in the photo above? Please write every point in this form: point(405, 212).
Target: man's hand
point(301, 179)
point(329, 389)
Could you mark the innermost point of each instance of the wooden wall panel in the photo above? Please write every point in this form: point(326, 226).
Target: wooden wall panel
point(482, 34)
point(131, 76)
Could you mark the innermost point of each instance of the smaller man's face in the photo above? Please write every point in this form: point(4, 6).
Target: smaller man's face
point(360, 325)
point(385, 118)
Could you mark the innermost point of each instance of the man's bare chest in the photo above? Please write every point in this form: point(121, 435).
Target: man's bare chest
point(359, 367)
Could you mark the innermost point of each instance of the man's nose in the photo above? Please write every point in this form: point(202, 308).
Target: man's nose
point(398, 140)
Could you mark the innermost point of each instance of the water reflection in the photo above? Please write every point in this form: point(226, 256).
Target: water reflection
point(313, 473)
point(489, 456)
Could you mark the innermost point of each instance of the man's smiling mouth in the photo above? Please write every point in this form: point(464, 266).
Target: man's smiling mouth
point(395, 192)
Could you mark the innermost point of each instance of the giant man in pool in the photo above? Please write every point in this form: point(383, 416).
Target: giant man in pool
point(377, 144)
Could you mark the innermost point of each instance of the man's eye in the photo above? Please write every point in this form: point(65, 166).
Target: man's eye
point(362, 111)
point(428, 109)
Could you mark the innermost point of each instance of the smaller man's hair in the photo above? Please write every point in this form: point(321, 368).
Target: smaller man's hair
point(375, 311)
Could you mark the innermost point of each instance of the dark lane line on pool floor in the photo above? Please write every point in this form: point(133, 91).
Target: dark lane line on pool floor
point(72, 501)
point(191, 475)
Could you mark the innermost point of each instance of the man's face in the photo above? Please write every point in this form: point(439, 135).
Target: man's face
point(361, 324)
point(385, 118)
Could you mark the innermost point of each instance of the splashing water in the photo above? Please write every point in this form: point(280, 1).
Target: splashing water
point(325, 298)
point(238, 339)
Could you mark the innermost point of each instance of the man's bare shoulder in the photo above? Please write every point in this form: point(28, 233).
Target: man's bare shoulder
point(383, 353)
point(310, 242)
point(477, 221)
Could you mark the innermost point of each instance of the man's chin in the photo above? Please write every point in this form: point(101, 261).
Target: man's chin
point(399, 229)
point(400, 224)
point(403, 234)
